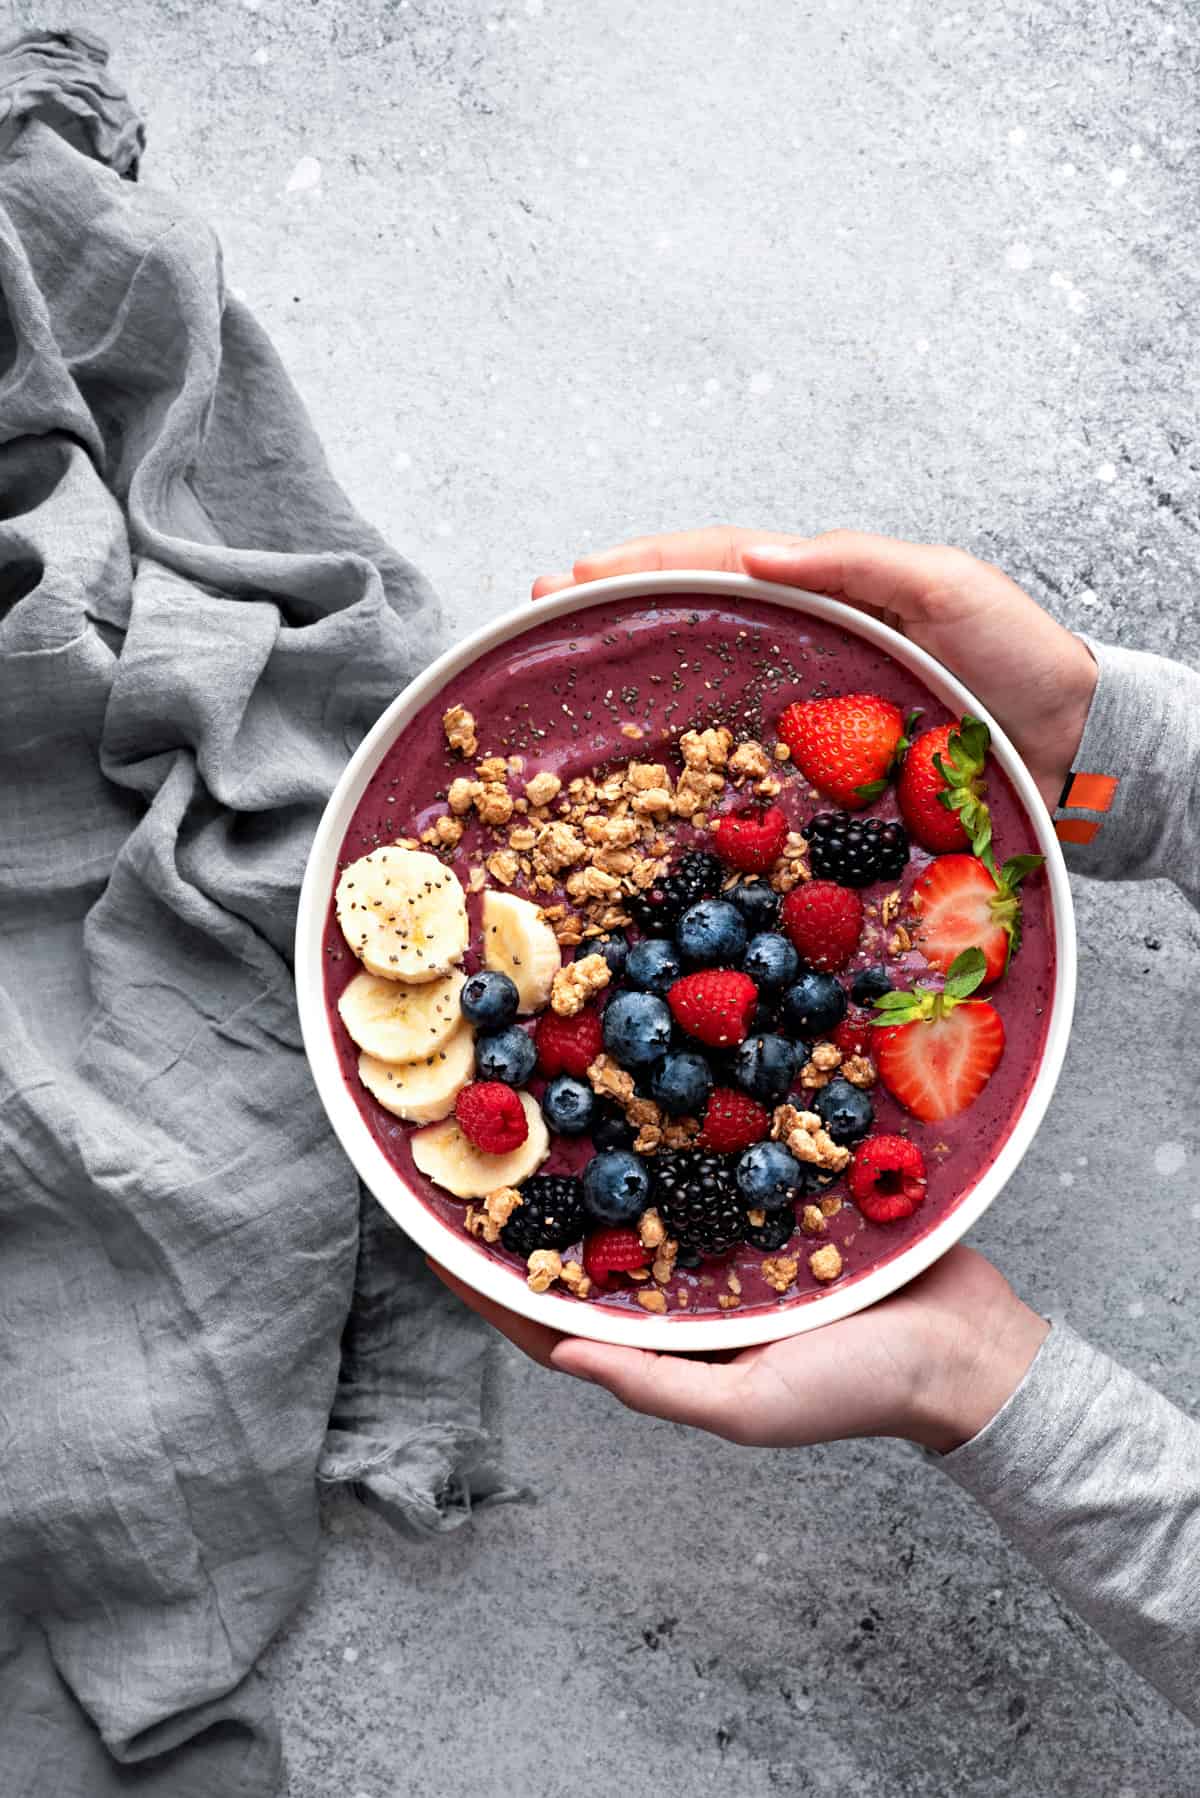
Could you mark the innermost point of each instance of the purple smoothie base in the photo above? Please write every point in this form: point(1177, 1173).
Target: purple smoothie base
point(559, 695)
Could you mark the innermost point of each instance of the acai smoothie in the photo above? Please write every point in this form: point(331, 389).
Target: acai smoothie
point(689, 955)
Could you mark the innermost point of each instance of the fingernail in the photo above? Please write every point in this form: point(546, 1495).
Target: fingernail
point(769, 552)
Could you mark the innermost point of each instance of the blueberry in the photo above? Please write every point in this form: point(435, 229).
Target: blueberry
point(614, 948)
point(712, 933)
point(610, 1129)
point(568, 1105)
point(681, 1084)
point(507, 1055)
point(488, 1000)
point(815, 1005)
point(616, 1187)
point(870, 984)
point(845, 1111)
point(769, 1176)
point(758, 903)
point(653, 965)
point(765, 1067)
point(637, 1029)
point(770, 961)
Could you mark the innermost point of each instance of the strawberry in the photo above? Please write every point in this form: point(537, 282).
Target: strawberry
point(941, 792)
point(491, 1116)
point(732, 1120)
point(887, 1178)
point(961, 903)
point(846, 746)
point(613, 1251)
point(715, 1005)
point(824, 922)
point(750, 840)
point(568, 1045)
point(854, 1035)
point(936, 1052)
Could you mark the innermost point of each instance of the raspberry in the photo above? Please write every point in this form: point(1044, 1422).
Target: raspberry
point(824, 922)
point(751, 840)
point(853, 1034)
point(568, 1045)
point(609, 1252)
point(491, 1117)
point(732, 1121)
point(715, 1005)
point(887, 1178)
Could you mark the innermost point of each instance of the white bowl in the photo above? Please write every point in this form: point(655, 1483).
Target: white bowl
point(450, 1245)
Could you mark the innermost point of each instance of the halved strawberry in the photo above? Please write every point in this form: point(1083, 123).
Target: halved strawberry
point(961, 904)
point(936, 1052)
point(846, 746)
point(940, 791)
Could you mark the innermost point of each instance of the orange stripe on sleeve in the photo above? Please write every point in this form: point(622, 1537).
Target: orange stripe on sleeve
point(1091, 792)
point(1075, 830)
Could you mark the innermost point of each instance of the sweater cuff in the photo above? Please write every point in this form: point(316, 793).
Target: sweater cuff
point(1136, 778)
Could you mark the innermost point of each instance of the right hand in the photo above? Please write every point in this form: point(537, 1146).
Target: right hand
point(1032, 673)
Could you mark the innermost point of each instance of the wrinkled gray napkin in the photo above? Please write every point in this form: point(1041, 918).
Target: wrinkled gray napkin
point(195, 631)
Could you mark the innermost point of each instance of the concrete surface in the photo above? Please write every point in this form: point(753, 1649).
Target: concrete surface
point(552, 273)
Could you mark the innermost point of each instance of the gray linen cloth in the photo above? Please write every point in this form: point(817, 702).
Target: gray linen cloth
point(195, 631)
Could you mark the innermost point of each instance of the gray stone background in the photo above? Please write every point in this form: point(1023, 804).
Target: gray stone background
point(556, 271)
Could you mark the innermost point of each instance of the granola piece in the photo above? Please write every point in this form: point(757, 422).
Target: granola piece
point(503, 867)
point(492, 771)
point(652, 1232)
point(641, 777)
point(695, 790)
point(728, 1301)
point(545, 1266)
point(831, 1204)
point(610, 833)
point(559, 846)
point(732, 1282)
point(476, 879)
point(818, 1070)
point(648, 1140)
point(706, 748)
point(494, 804)
point(678, 1133)
point(650, 802)
point(900, 941)
point(459, 726)
point(447, 831)
point(592, 883)
point(750, 761)
point(768, 788)
point(462, 794)
point(779, 1271)
point(642, 1111)
point(859, 1070)
point(663, 1265)
point(567, 930)
point(575, 983)
point(825, 1263)
point(805, 1135)
point(522, 838)
point(652, 1300)
point(812, 1220)
point(890, 908)
point(497, 1208)
point(615, 861)
point(543, 788)
point(782, 753)
point(575, 1279)
point(608, 1081)
point(634, 731)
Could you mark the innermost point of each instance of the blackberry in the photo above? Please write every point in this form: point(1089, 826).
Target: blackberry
point(550, 1215)
point(698, 1200)
point(776, 1228)
point(856, 851)
point(696, 875)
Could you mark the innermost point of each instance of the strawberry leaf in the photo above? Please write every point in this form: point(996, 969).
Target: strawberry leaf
point(964, 974)
point(871, 790)
point(1016, 869)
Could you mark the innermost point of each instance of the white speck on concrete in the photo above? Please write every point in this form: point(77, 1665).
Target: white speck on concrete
point(1069, 169)
point(262, 55)
point(443, 528)
point(761, 382)
point(1019, 256)
point(534, 8)
point(922, 346)
point(1087, 597)
point(593, 451)
point(583, 160)
point(654, 420)
point(401, 461)
point(1077, 300)
point(1018, 135)
point(1117, 177)
point(1169, 1159)
point(760, 1559)
point(1196, 1213)
point(1136, 152)
point(1081, 1160)
point(1106, 472)
point(712, 385)
point(350, 1655)
point(1058, 279)
point(1066, 1178)
point(305, 176)
point(1136, 1308)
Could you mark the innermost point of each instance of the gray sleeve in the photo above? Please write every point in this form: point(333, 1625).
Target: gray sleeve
point(1094, 1476)
point(1096, 1479)
point(1131, 807)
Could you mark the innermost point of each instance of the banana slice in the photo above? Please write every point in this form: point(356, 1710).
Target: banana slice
point(422, 1091)
point(395, 1021)
point(403, 913)
point(443, 1155)
point(517, 941)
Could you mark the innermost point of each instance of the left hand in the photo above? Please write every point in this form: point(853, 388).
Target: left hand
point(933, 1364)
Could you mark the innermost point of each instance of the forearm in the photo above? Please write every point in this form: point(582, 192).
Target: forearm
point(1132, 804)
point(1096, 1478)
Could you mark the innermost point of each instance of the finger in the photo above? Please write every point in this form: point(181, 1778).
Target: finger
point(716, 546)
point(551, 583)
point(874, 572)
point(534, 1340)
point(667, 1386)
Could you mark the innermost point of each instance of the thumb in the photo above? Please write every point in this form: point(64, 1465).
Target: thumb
point(880, 574)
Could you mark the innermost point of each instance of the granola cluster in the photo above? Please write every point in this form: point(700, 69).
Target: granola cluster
point(805, 1135)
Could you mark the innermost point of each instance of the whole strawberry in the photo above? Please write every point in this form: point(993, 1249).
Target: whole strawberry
point(824, 922)
point(568, 1045)
point(941, 791)
point(845, 746)
point(715, 1005)
point(732, 1121)
point(491, 1117)
point(750, 840)
point(887, 1178)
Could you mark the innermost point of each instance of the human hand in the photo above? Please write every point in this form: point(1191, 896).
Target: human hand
point(933, 1364)
point(1032, 673)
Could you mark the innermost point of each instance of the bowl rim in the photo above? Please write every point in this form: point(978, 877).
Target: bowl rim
point(497, 1281)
